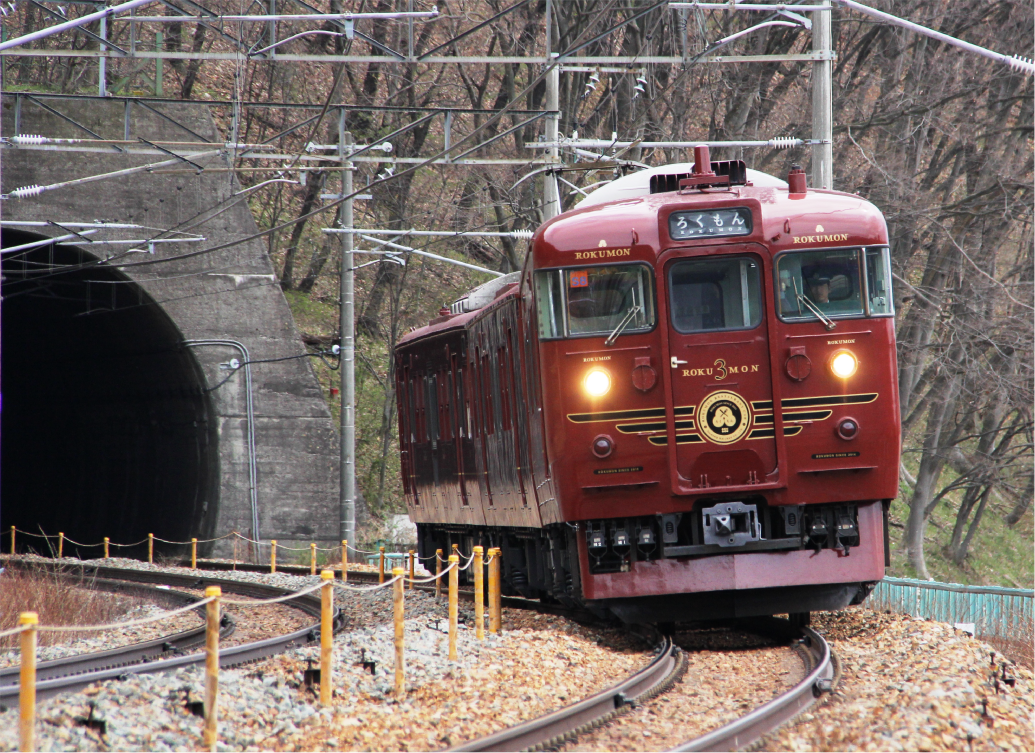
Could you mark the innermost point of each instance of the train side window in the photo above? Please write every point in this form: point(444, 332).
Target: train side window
point(487, 397)
point(504, 389)
point(594, 300)
point(445, 383)
point(432, 409)
point(411, 404)
point(828, 281)
point(716, 293)
point(878, 282)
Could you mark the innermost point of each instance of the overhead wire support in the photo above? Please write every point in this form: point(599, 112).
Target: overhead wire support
point(1016, 61)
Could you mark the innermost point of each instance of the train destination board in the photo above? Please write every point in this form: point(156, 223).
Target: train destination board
point(713, 223)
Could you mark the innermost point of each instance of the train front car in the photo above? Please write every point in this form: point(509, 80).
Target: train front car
point(718, 375)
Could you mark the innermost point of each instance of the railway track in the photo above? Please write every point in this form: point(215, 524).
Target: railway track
point(544, 733)
point(76, 672)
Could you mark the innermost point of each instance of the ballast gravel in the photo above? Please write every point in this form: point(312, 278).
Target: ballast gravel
point(728, 674)
point(907, 685)
point(912, 684)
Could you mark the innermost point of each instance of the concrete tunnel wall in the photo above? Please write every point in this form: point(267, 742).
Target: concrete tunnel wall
point(140, 359)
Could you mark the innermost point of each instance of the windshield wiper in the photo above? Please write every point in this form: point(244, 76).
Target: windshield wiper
point(815, 310)
point(622, 325)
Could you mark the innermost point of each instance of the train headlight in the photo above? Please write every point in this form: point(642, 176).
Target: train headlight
point(597, 383)
point(844, 364)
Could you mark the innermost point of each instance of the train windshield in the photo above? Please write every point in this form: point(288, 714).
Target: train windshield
point(580, 301)
point(715, 294)
point(833, 283)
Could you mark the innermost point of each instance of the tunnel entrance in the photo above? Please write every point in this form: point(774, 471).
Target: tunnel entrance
point(106, 428)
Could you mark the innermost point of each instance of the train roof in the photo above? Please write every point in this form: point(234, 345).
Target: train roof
point(637, 184)
point(627, 222)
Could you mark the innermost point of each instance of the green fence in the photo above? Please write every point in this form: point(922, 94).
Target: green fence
point(995, 612)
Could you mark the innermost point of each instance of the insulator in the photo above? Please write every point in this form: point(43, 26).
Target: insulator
point(784, 142)
point(29, 140)
point(26, 193)
point(1019, 63)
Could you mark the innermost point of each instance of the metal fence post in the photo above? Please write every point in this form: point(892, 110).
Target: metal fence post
point(479, 594)
point(27, 688)
point(212, 667)
point(326, 637)
point(454, 583)
point(400, 631)
point(438, 574)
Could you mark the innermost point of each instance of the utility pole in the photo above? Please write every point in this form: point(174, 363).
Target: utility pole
point(347, 367)
point(822, 102)
point(551, 191)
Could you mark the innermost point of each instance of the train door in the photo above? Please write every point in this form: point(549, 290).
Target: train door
point(721, 431)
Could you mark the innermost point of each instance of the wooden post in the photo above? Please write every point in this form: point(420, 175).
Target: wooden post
point(438, 574)
point(479, 594)
point(495, 602)
point(273, 556)
point(344, 560)
point(312, 559)
point(193, 554)
point(413, 567)
point(12, 539)
point(27, 687)
point(61, 544)
point(381, 565)
point(105, 545)
point(326, 637)
point(400, 632)
point(150, 548)
point(454, 587)
point(212, 667)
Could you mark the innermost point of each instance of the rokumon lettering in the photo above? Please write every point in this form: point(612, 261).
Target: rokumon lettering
point(603, 253)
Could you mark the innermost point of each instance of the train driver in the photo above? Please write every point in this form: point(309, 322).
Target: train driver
point(819, 289)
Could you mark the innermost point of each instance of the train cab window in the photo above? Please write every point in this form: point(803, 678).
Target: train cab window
point(582, 301)
point(818, 284)
point(716, 293)
point(878, 282)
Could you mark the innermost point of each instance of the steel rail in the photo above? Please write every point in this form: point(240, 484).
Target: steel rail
point(769, 716)
point(135, 653)
point(546, 732)
point(233, 656)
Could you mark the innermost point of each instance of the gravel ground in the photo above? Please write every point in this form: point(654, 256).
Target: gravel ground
point(913, 685)
point(907, 685)
point(524, 673)
point(113, 639)
point(728, 674)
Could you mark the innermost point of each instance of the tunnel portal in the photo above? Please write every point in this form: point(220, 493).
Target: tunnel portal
point(107, 428)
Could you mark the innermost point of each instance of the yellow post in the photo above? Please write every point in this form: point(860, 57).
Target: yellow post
point(400, 654)
point(273, 556)
point(61, 544)
point(454, 584)
point(479, 594)
point(326, 637)
point(312, 559)
point(212, 667)
point(105, 546)
point(12, 539)
point(381, 565)
point(456, 549)
point(413, 567)
point(494, 590)
point(150, 548)
point(438, 574)
point(27, 689)
point(193, 554)
point(344, 560)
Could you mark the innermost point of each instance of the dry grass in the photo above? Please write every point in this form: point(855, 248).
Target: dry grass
point(58, 601)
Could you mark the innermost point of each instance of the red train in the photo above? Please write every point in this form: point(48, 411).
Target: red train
point(684, 407)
